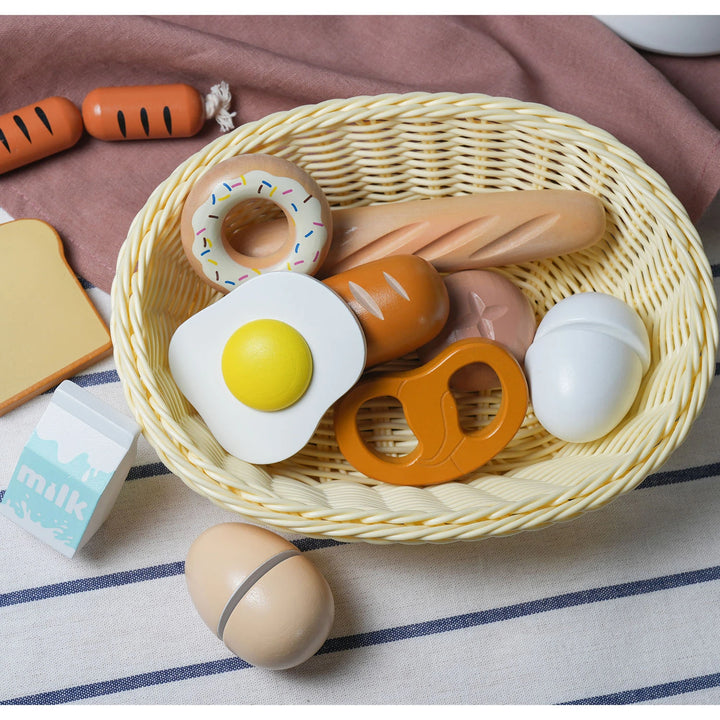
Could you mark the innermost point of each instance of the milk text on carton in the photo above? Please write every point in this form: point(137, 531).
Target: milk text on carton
point(37, 482)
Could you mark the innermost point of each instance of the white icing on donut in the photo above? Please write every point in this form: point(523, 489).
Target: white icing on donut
point(303, 210)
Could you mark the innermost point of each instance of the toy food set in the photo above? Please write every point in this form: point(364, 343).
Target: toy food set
point(260, 309)
point(263, 364)
point(140, 112)
point(391, 155)
point(259, 594)
point(71, 470)
point(49, 329)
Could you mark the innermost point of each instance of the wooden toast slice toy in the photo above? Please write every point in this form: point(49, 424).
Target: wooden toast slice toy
point(49, 329)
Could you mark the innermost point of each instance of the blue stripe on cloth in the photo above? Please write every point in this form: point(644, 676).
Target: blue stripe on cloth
point(102, 377)
point(133, 682)
point(387, 635)
point(99, 582)
point(126, 577)
point(86, 284)
point(652, 692)
point(142, 472)
point(533, 607)
point(671, 477)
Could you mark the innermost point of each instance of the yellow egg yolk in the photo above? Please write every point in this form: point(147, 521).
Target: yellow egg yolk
point(267, 365)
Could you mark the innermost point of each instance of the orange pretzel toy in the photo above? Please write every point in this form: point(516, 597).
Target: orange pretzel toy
point(444, 451)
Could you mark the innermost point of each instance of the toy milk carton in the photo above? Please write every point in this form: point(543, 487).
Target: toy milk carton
point(71, 470)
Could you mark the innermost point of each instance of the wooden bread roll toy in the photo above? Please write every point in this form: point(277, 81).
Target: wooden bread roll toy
point(37, 131)
point(470, 231)
point(228, 240)
point(400, 301)
point(483, 303)
point(259, 594)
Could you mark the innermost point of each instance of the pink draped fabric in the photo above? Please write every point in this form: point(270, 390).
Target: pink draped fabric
point(667, 109)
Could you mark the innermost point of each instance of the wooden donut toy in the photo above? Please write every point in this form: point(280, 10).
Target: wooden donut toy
point(237, 192)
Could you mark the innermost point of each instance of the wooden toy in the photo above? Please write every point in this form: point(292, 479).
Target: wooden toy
point(483, 303)
point(454, 233)
point(220, 204)
point(143, 112)
point(444, 450)
point(585, 365)
point(251, 380)
point(49, 329)
point(470, 231)
point(259, 594)
point(36, 131)
point(401, 302)
point(227, 240)
point(71, 470)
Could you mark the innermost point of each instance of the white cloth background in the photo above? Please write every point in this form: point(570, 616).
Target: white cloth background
point(619, 606)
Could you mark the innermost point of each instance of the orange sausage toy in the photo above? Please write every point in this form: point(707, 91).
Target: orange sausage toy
point(138, 112)
point(152, 111)
point(36, 131)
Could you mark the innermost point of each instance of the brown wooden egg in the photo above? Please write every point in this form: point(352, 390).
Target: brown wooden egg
point(259, 594)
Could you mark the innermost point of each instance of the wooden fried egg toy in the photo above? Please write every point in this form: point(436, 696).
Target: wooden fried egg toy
point(263, 364)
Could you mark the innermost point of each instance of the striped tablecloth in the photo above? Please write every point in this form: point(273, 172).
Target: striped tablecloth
point(619, 606)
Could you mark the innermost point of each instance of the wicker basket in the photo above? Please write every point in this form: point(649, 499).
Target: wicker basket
point(396, 147)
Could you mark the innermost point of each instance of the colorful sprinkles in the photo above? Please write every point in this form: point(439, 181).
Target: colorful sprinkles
point(311, 231)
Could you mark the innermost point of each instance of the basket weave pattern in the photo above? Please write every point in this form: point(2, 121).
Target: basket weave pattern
point(397, 147)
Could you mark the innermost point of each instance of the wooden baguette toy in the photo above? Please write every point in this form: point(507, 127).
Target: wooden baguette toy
point(466, 232)
point(49, 329)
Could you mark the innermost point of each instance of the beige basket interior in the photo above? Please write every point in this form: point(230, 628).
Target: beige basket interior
point(398, 147)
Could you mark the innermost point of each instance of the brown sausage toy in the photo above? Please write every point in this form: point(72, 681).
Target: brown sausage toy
point(36, 131)
point(143, 112)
